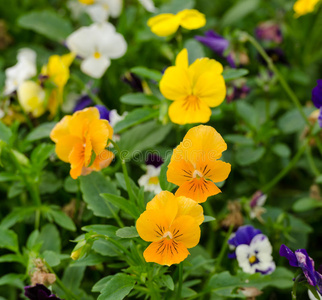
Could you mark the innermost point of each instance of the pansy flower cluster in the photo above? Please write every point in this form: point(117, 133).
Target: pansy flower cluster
point(252, 250)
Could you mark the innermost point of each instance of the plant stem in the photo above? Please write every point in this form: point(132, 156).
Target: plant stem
point(68, 293)
point(180, 267)
point(223, 249)
point(311, 162)
point(126, 175)
point(291, 164)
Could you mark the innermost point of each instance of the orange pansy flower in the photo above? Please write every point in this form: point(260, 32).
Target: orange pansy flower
point(172, 225)
point(194, 165)
point(78, 137)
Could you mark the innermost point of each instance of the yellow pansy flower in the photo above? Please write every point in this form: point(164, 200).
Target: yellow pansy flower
point(57, 71)
point(194, 89)
point(78, 137)
point(303, 7)
point(167, 24)
point(172, 225)
point(31, 97)
point(195, 164)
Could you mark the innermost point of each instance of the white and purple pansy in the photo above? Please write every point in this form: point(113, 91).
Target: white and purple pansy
point(302, 260)
point(253, 250)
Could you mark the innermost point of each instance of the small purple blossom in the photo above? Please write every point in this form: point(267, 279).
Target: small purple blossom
point(269, 31)
point(39, 292)
point(301, 259)
point(258, 199)
point(133, 81)
point(83, 102)
point(154, 160)
point(317, 94)
point(243, 235)
point(218, 44)
point(238, 93)
point(104, 112)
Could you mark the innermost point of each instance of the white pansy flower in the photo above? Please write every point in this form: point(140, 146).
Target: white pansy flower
point(24, 69)
point(97, 44)
point(150, 181)
point(256, 257)
point(114, 117)
point(100, 10)
point(148, 5)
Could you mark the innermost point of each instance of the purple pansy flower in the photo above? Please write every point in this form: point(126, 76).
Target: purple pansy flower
point(269, 31)
point(104, 112)
point(243, 235)
point(301, 259)
point(218, 44)
point(317, 99)
point(83, 102)
point(238, 93)
point(39, 292)
point(154, 160)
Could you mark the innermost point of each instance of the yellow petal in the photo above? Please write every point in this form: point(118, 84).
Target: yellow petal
point(202, 141)
point(78, 124)
point(175, 83)
point(203, 65)
point(182, 59)
point(99, 131)
point(154, 223)
point(64, 146)
point(179, 169)
point(189, 207)
point(101, 161)
point(198, 189)
point(218, 170)
point(67, 59)
point(186, 230)
point(76, 159)
point(57, 70)
point(87, 151)
point(159, 202)
point(166, 252)
point(164, 24)
point(188, 111)
point(191, 19)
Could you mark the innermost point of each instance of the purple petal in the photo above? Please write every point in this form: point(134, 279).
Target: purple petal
point(83, 102)
point(39, 292)
point(104, 112)
point(244, 235)
point(317, 94)
point(288, 253)
point(320, 117)
point(154, 160)
point(306, 263)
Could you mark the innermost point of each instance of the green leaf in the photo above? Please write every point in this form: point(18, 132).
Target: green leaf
point(123, 204)
point(13, 280)
point(247, 113)
point(136, 116)
point(18, 214)
point(147, 73)
point(238, 139)
point(6, 176)
point(208, 219)
point(61, 219)
point(49, 183)
point(40, 154)
point(139, 99)
point(239, 11)
point(99, 285)
point(108, 230)
point(248, 155)
point(305, 204)
point(70, 185)
point(42, 131)
point(92, 186)
point(47, 23)
point(141, 137)
point(232, 74)
point(5, 133)
point(11, 258)
point(50, 238)
point(226, 285)
point(281, 150)
point(121, 181)
point(168, 282)
point(51, 257)
point(73, 276)
point(164, 183)
point(292, 121)
point(177, 5)
point(117, 288)
point(195, 50)
point(9, 240)
point(127, 232)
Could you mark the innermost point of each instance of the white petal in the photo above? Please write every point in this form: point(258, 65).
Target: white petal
point(82, 42)
point(115, 117)
point(148, 5)
point(113, 45)
point(261, 243)
point(312, 297)
point(115, 7)
point(27, 54)
point(95, 67)
point(97, 12)
point(153, 171)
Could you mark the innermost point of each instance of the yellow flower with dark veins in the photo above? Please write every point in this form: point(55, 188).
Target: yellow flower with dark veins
point(195, 164)
point(303, 7)
point(167, 24)
point(81, 140)
point(194, 89)
point(57, 71)
point(172, 225)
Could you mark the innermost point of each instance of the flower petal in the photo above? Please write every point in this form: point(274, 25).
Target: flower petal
point(60, 129)
point(95, 67)
point(218, 170)
point(198, 189)
point(99, 131)
point(188, 207)
point(166, 252)
point(82, 42)
point(191, 19)
point(182, 59)
point(64, 146)
point(160, 201)
point(189, 111)
point(179, 169)
point(164, 24)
